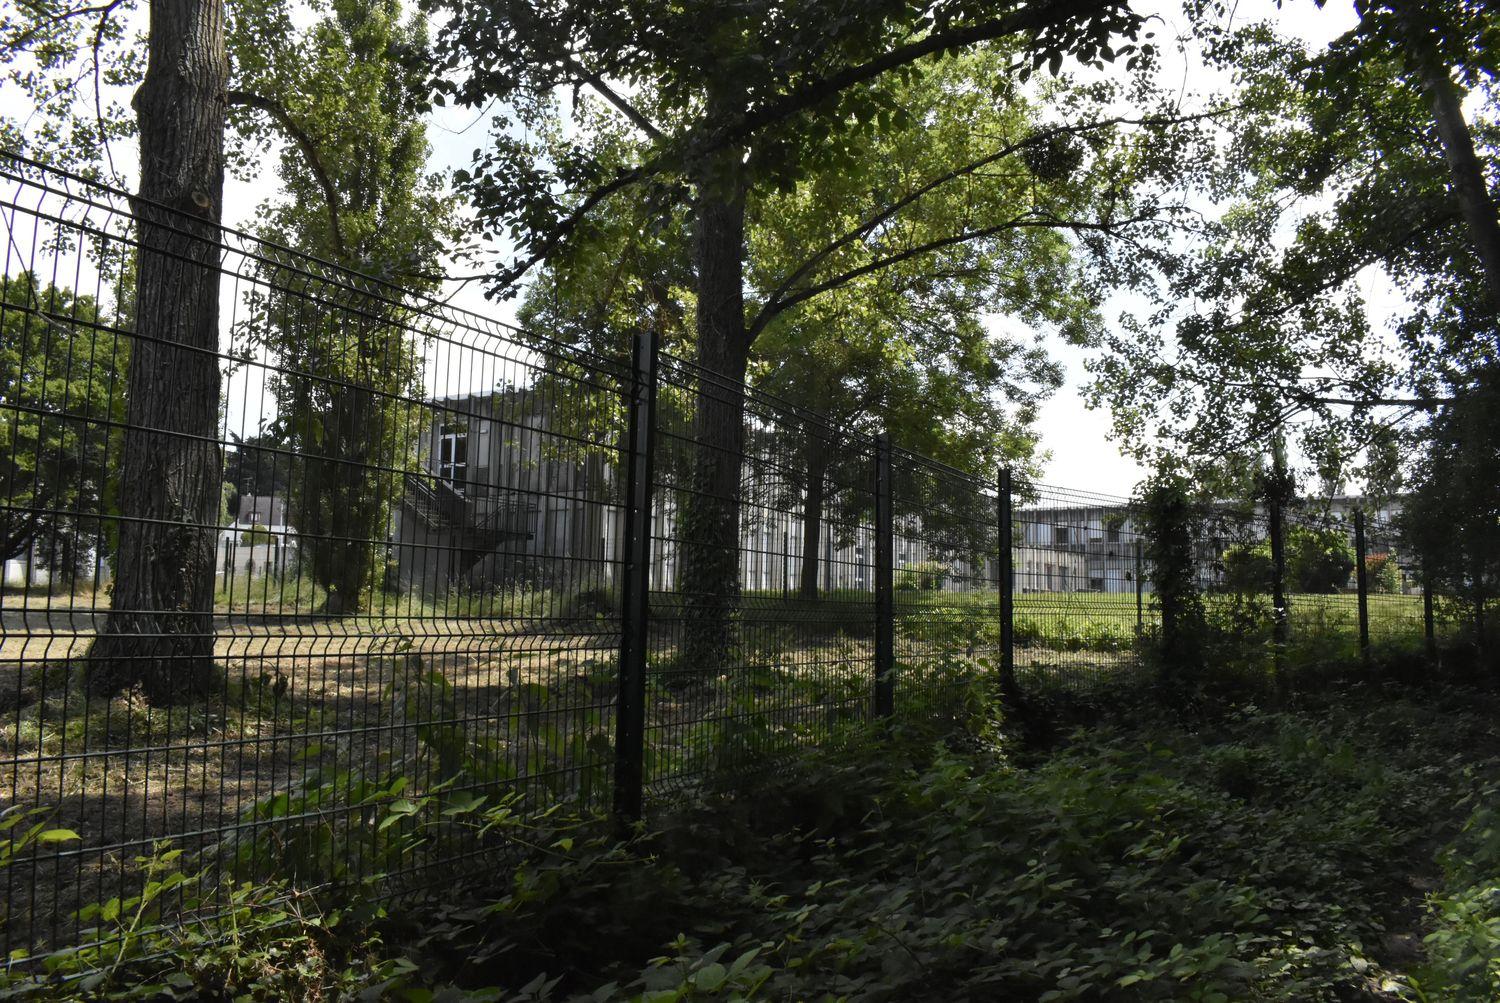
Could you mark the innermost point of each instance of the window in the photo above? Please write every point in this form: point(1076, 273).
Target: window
point(1096, 584)
point(1112, 534)
point(453, 455)
point(1060, 535)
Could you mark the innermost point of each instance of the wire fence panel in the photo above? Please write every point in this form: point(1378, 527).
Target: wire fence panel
point(1083, 601)
point(1396, 603)
point(413, 540)
point(946, 574)
point(429, 563)
point(762, 605)
point(1327, 540)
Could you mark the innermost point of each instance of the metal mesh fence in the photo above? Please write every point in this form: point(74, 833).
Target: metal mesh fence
point(946, 573)
point(411, 563)
point(442, 560)
point(417, 546)
point(1083, 600)
point(1351, 582)
point(1343, 586)
point(760, 629)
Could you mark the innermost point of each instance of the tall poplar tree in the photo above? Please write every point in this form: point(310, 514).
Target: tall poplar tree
point(352, 88)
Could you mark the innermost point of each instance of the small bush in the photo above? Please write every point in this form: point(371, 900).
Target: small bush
point(924, 576)
point(256, 535)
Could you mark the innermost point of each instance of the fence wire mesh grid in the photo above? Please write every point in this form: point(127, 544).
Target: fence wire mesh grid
point(443, 559)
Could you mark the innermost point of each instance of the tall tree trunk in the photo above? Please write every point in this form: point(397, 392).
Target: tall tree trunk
point(159, 632)
point(710, 581)
point(812, 514)
point(1468, 176)
point(1469, 185)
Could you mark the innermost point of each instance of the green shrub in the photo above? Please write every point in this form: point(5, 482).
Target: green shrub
point(1170, 522)
point(1248, 567)
point(1319, 559)
point(1383, 574)
point(924, 576)
point(256, 535)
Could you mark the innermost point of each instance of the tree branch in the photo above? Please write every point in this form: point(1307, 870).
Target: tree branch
point(1022, 222)
point(560, 232)
point(19, 43)
point(309, 150)
point(104, 15)
point(608, 93)
point(770, 308)
point(1032, 18)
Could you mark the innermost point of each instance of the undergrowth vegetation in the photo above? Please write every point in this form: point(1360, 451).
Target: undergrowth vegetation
point(1345, 847)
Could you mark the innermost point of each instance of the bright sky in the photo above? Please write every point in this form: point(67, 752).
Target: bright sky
point(1081, 454)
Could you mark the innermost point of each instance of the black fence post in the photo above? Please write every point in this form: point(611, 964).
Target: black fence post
point(885, 613)
point(786, 564)
point(1281, 622)
point(630, 710)
point(1140, 605)
point(1007, 585)
point(1362, 583)
point(1429, 625)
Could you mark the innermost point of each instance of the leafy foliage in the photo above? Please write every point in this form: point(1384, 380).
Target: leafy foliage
point(1333, 174)
point(1463, 952)
point(1384, 573)
point(1170, 522)
point(923, 576)
point(785, 80)
point(1245, 854)
point(62, 369)
point(1319, 558)
point(1248, 567)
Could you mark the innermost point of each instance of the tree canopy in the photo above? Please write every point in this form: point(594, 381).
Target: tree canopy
point(1335, 175)
point(61, 366)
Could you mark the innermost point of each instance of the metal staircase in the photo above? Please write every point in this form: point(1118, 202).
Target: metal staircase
point(474, 526)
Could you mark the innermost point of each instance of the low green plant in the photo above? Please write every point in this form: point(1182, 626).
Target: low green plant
point(1463, 950)
point(23, 829)
point(1219, 853)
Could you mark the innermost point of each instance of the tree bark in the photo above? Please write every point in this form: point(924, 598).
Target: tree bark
point(159, 632)
point(812, 514)
point(1468, 176)
point(710, 580)
point(1469, 185)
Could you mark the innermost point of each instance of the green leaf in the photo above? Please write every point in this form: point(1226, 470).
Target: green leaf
point(710, 977)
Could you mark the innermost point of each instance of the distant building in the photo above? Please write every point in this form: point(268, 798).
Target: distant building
point(27, 571)
point(505, 497)
point(259, 541)
point(502, 500)
point(265, 511)
point(1075, 548)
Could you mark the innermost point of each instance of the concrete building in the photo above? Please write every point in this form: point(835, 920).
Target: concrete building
point(260, 541)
